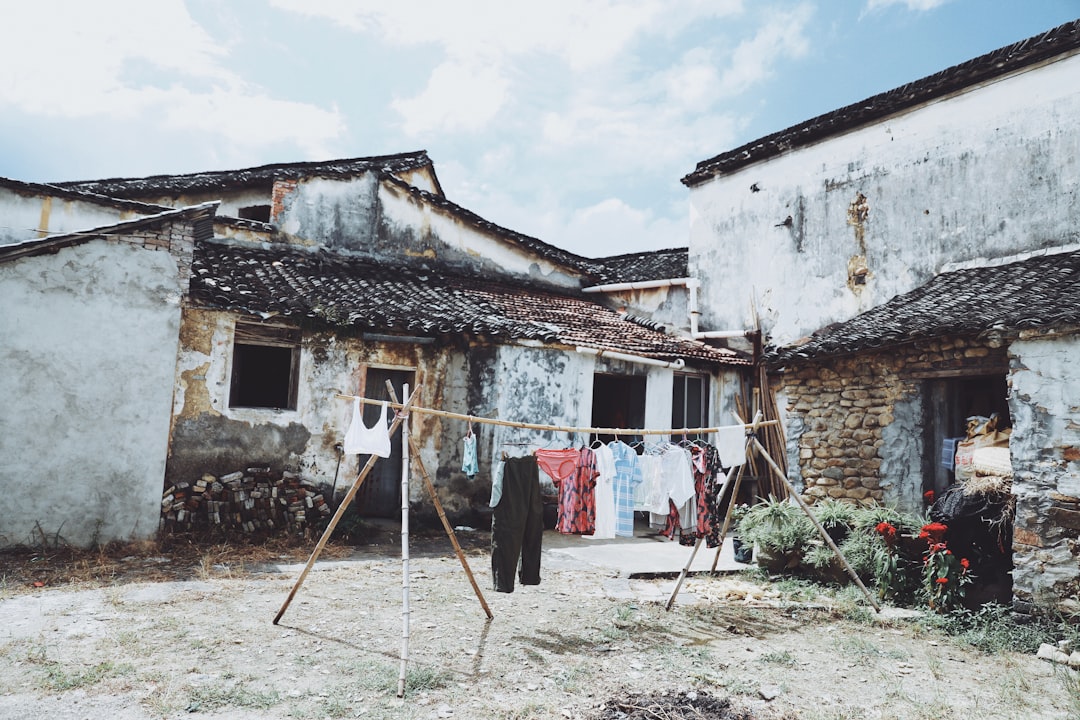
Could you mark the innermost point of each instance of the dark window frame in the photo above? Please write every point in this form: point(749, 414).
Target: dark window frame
point(682, 394)
point(264, 353)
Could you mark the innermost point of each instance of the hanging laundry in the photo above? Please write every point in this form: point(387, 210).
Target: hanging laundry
point(574, 474)
point(627, 479)
point(559, 464)
point(363, 440)
point(731, 444)
point(517, 525)
point(469, 465)
point(605, 494)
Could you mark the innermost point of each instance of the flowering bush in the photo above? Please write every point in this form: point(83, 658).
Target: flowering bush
point(945, 576)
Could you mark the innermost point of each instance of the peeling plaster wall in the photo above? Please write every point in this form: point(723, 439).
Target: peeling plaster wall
point(667, 306)
point(231, 199)
point(340, 213)
point(419, 230)
point(986, 173)
point(88, 347)
point(1044, 402)
point(32, 217)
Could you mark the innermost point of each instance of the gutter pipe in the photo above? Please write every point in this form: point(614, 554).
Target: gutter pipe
point(677, 364)
point(691, 285)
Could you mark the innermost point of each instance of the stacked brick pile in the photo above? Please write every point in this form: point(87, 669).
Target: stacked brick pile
point(248, 501)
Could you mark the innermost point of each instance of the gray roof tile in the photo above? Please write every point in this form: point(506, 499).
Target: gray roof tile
point(326, 288)
point(1039, 292)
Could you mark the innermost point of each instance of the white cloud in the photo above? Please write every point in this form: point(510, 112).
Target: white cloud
point(146, 60)
point(458, 97)
point(917, 5)
point(753, 59)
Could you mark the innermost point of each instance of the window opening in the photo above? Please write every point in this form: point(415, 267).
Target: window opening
point(260, 213)
point(690, 403)
point(266, 361)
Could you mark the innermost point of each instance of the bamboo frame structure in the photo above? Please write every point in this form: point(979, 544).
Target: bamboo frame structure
point(403, 668)
point(341, 509)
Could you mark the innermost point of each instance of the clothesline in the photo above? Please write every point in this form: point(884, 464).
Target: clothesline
point(554, 428)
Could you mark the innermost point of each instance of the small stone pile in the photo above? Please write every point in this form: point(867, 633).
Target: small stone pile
point(248, 501)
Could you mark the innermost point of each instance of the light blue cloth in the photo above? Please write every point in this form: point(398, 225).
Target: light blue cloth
point(469, 465)
point(627, 477)
point(496, 484)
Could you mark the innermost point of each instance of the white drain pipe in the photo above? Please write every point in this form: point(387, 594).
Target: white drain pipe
point(691, 285)
point(677, 364)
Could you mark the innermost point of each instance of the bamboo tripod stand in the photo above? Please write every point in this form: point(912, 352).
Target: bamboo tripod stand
point(754, 446)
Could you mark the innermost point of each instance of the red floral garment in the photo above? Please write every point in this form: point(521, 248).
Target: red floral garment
point(577, 497)
point(705, 464)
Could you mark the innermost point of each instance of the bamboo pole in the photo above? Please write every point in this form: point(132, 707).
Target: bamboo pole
point(341, 511)
point(442, 516)
point(806, 509)
point(404, 543)
point(727, 515)
point(550, 428)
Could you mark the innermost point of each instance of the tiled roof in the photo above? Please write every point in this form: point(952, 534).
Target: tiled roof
point(331, 289)
point(199, 214)
point(541, 248)
point(637, 267)
point(256, 176)
point(1039, 292)
point(46, 190)
point(1008, 59)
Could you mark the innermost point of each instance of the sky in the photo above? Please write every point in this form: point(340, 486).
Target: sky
point(568, 120)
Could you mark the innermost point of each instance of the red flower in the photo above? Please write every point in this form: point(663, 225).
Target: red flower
point(887, 531)
point(934, 533)
point(964, 564)
point(942, 581)
point(928, 496)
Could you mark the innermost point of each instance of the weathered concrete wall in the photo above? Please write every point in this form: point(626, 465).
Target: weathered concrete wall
point(410, 229)
point(231, 200)
point(29, 217)
point(986, 173)
point(1045, 405)
point(88, 347)
point(854, 425)
point(339, 213)
point(667, 306)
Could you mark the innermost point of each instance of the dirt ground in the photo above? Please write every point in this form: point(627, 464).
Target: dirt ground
point(189, 634)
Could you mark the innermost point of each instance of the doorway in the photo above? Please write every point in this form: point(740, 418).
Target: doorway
point(380, 495)
point(618, 402)
point(949, 402)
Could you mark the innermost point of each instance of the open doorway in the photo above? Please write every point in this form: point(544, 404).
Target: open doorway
point(618, 402)
point(380, 495)
point(949, 402)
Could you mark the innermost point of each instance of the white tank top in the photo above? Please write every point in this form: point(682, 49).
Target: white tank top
point(363, 440)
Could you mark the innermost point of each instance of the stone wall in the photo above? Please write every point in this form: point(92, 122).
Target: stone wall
point(1045, 403)
point(856, 420)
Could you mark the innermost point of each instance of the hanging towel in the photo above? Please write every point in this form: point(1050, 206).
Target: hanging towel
point(363, 440)
point(731, 443)
point(468, 456)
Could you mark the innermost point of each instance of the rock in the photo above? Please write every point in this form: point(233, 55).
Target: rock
point(769, 692)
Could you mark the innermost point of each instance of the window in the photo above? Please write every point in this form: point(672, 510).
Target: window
point(255, 212)
point(690, 401)
point(266, 362)
point(948, 403)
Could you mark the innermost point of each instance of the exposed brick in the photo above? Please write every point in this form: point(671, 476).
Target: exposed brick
point(1026, 537)
point(1065, 518)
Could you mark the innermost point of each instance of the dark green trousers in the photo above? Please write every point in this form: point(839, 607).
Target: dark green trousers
point(517, 526)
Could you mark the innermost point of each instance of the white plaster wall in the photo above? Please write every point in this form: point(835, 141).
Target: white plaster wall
point(987, 173)
point(668, 306)
point(23, 216)
point(1044, 402)
point(432, 232)
point(88, 342)
point(337, 212)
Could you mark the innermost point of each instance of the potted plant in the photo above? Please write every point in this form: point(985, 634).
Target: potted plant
point(779, 532)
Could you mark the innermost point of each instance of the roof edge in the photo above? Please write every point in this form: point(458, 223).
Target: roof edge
point(1003, 61)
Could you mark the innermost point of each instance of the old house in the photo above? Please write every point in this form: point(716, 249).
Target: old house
point(316, 280)
point(912, 258)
